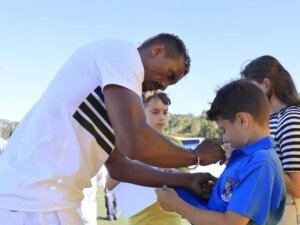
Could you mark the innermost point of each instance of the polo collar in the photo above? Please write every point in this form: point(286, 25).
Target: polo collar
point(264, 143)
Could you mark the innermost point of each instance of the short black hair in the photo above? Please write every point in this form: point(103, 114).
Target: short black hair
point(174, 47)
point(155, 95)
point(240, 96)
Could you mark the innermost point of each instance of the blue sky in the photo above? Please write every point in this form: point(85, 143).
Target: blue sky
point(38, 36)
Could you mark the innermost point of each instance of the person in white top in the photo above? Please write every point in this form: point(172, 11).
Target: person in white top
point(88, 208)
point(91, 114)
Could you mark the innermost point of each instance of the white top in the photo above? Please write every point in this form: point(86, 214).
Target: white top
point(66, 137)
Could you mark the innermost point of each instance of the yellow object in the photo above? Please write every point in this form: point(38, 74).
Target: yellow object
point(154, 214)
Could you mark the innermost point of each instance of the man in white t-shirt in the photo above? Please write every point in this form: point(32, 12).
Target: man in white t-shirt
point(92, 114)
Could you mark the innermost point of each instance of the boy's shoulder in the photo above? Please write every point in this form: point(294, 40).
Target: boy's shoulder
point(261, 151)
point(265, 157)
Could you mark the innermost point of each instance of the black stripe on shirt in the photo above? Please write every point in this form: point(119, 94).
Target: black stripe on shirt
point(89, 127)
point(94, 120)
point(291, 169)
point(98, 91)
point(97, 122)
point(100, 109)
point(291, 157)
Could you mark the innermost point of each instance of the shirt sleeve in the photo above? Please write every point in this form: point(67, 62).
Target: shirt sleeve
point(289, 141)
point(257, 193)
point(119, 63)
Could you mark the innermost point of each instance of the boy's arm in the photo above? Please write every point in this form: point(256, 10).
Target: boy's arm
point(170, 201)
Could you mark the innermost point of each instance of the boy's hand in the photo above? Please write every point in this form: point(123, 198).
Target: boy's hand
point(203, 184)
point(228, 151)
point(167, 198)
point(210, 153)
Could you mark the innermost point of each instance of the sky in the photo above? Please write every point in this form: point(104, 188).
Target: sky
point(38, 36)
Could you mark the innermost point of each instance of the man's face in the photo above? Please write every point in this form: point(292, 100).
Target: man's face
point(161, 71)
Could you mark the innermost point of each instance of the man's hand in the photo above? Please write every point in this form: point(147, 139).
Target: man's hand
point(210, 153)
point(203, 184)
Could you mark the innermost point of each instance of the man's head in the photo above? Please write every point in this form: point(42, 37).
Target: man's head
point(238, 108)
point(165, 59)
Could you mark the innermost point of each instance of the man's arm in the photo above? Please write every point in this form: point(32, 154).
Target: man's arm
point(110, 183)
point(122, 169)
point(137, 140)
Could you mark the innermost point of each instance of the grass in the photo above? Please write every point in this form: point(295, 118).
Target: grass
point(101, 212)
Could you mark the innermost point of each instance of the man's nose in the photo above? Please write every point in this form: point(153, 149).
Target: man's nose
point(164, 85)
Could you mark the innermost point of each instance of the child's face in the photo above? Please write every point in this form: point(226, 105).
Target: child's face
point(157, 114)
point(232, 132)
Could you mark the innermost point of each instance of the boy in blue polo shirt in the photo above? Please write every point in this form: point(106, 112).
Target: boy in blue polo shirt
point(251, 189)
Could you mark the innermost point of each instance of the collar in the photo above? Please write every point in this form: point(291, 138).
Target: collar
point(264, 143)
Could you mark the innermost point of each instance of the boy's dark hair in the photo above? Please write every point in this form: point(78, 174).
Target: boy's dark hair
point(240, 96)
point(156, 95)
point(282, 83)
point(174, 47)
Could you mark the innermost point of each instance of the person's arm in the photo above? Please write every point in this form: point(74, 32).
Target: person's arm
point(122, 169)
point(292, 183)
point(138, 141)
point(170, 201)
point(289, 150)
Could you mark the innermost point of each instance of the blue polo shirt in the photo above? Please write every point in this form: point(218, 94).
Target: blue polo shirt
point(252, 184)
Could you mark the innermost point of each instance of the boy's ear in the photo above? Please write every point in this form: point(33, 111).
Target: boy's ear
point(243, 119)
point(156, 49)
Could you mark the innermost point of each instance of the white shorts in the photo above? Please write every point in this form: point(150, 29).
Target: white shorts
point(62, 217)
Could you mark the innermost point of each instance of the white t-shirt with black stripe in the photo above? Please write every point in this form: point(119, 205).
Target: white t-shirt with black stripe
point(66, 137)
point(285, 129)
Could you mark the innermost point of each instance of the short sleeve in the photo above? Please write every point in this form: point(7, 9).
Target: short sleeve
point(289, 140)
point(119, 63)
point(257, 193)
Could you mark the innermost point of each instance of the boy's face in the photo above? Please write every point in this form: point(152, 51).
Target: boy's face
point(232, 132)
point(157, 114)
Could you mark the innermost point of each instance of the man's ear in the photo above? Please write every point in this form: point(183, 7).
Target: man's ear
point(158, 48)
point(243, 119)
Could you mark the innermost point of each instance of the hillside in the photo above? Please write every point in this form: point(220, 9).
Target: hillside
point(183, 125)
point(6, 128)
